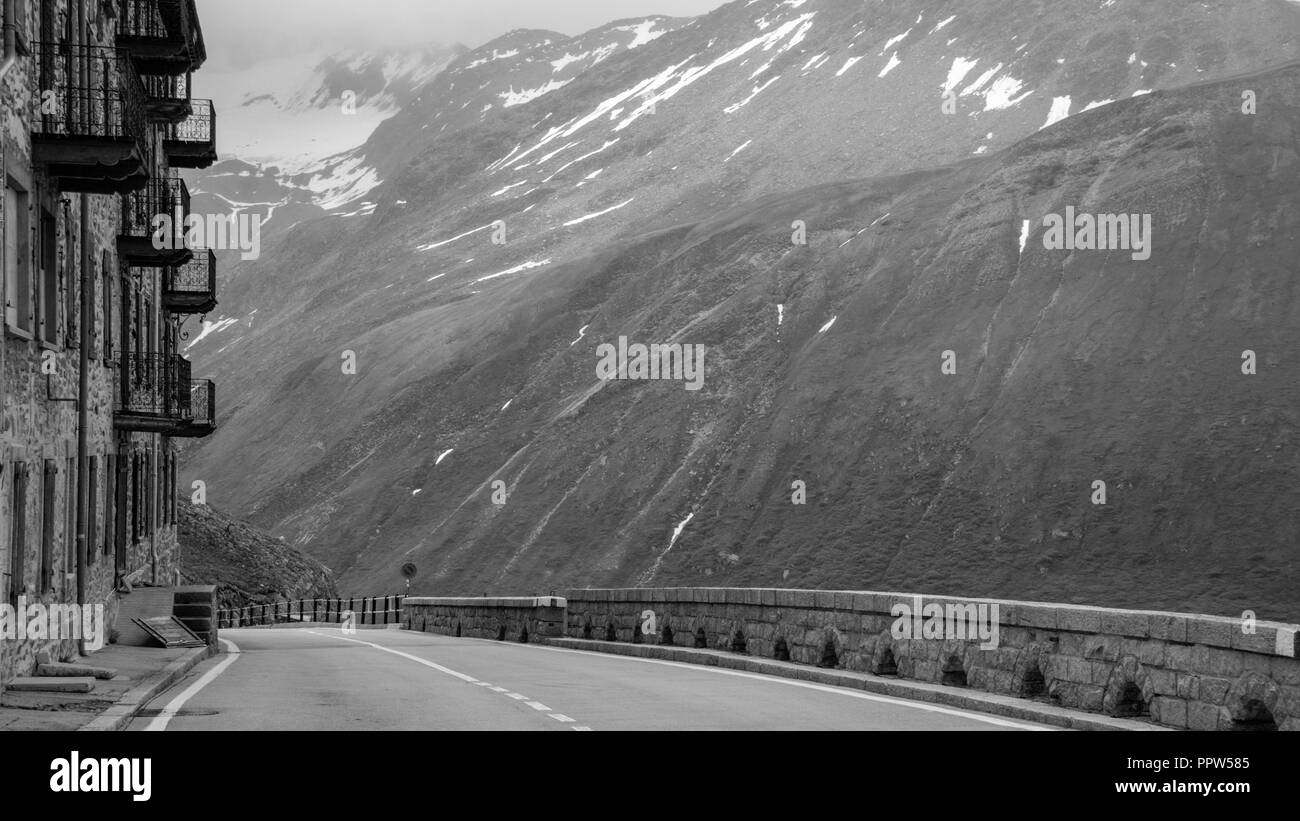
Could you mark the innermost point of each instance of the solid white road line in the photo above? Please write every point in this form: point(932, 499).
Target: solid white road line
point(169, 712)
point(916, 705)
point(407, 656)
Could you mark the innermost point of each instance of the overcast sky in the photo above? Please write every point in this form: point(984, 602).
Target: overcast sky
point(240, 31)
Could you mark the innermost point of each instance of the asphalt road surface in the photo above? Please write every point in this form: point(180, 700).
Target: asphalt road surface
point(320, 679)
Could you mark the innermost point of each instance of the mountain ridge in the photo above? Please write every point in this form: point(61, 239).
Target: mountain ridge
point(470, 373)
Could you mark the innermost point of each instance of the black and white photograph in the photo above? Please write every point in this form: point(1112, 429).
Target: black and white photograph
point(412, 374)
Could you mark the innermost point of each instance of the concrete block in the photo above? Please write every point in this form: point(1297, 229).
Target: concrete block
point(1211, 632)
point(55, 684)
point(1038, 616)
point(1264, 641)
point(823, 599)
point(1167, 626)
point(1079, 620)
point(1125, 623)
point(57, 670)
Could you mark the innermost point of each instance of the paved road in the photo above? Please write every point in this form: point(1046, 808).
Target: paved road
point(319, 679)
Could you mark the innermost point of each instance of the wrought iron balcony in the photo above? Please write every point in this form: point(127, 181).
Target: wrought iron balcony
point(192, 142)
point(192, 288)
point(90, 127)
point(167, 99)
point(153, 393)
point(203, 411)
point(163, 36)
point(153, 224)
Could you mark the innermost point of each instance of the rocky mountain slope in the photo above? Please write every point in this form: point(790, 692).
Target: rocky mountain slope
point(653, 196)
point(247, 565)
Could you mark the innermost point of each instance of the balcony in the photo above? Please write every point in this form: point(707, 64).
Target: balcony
point(167, 99)
point(163, 36)
point(90, 127)
point(192, 288)
point(153, 224)
point(153, 393)
point(202, 421)
point(192, 142)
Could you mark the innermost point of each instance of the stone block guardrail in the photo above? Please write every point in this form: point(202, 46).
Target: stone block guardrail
point(1176, 669)
point(503, 619)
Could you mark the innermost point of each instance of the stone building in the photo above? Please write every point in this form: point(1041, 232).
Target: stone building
point(95, 118)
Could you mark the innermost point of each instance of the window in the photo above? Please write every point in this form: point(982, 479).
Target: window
point(68, 277)
point(106, 271)
point(48, 513)
point(48, 243)
point(18, 533)
point(119, 512)
point(17, 259)
point(135, 498)
point(110, 502)
point(138, 348)
point(92, 511)
point(149, 336)
point(150, 483)
point(70, 520)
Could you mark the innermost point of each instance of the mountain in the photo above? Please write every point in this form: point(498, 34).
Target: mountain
point(247, 565)
point(290, 145)
point(653, 196)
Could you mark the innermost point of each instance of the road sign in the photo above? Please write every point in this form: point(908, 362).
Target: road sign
point(409, 570)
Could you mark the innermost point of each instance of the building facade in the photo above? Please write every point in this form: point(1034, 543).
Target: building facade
point(96, 117)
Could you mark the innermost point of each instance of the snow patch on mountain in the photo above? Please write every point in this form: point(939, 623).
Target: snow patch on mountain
point(587, 217)
point(1060, 110)
point(514, 98)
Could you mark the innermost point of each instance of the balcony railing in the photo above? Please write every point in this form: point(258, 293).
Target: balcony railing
point(192, 288)
point(167, 97)
point(203, 411)
point(153, 393)
point(153, 223)
point(164, 36)
point(90, 125)
point(192, 142)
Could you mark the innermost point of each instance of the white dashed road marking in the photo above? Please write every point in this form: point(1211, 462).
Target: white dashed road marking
point(536, 705)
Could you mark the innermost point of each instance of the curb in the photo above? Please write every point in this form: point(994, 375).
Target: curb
point(133, 702)
point(295, 625)
point(972, 700)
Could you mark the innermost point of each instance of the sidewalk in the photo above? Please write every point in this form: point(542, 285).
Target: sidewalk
point(142, 673)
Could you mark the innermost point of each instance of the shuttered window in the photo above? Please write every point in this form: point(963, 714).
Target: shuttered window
point(18, 533)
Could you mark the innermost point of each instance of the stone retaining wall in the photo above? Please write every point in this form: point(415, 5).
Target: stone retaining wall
point(1179, 670)
point(504, 619)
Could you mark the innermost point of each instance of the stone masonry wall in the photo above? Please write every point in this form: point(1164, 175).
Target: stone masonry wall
point(504, 619)
point(35, 375)
point(1180, 670)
